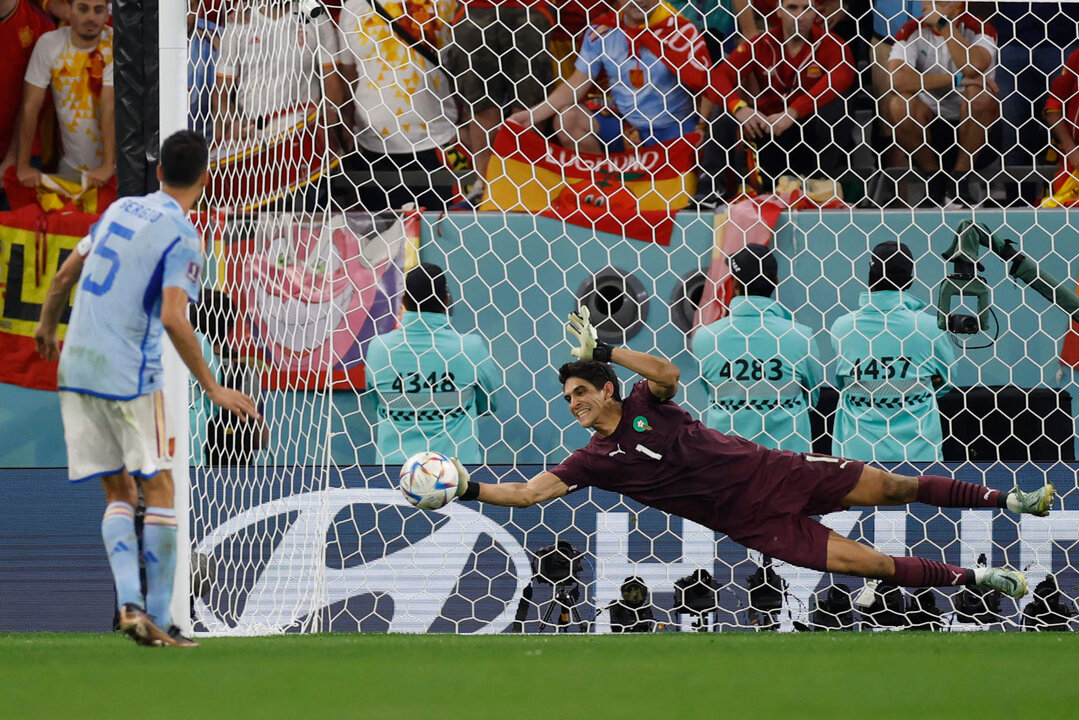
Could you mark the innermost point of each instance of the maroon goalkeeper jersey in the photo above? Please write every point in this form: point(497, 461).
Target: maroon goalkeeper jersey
point(661, 457)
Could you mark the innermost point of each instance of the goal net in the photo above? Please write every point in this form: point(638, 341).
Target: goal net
point(893, 161)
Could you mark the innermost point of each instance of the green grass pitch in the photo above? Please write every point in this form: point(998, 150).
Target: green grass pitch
point(728, 675)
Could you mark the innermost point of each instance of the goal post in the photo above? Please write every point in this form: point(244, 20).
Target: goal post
point(344, 146)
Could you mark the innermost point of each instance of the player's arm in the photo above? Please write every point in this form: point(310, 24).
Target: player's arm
point(33, 97)
point(908, 81)
point(565, 94)
point(174, 319)
point(101, 174)
point(662, 375)
point(45, 336)
point(545, 486)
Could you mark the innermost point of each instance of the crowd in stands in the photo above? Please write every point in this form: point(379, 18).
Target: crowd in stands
point(771, 87)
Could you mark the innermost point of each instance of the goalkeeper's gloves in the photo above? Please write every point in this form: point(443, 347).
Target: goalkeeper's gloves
point(591, 347)
point(466, 489)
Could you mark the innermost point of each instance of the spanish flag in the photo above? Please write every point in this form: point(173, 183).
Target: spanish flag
point(634, 194)
point(33, 245)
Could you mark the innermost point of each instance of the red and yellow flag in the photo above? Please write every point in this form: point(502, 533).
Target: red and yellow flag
point(33, 245)
point(634, 193)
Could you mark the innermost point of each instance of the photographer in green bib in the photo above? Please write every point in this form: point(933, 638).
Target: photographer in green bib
point(893, 363)
point(430, 382)
point(761, 369)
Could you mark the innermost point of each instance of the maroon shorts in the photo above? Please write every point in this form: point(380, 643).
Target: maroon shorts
point(772, 515)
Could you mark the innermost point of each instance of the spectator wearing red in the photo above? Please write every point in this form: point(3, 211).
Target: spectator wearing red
point(75, 61)
point(21, 24)
point(1062, 116)
point(784, 88)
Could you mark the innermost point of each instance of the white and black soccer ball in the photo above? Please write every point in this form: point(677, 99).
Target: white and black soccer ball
point(428, 480)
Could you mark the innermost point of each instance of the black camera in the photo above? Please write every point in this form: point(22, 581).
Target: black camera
point(963, 324)
point(766, 591)
point(696, 594)
point(558, 564)
point(632, 612)
point(977, 606)
point(1047, 612)
point(834, 611)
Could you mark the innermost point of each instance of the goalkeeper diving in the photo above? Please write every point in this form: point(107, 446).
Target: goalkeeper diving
point(645, 446)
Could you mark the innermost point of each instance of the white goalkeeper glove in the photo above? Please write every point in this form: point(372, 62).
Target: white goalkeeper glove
point(590, 347)
point(462, 477)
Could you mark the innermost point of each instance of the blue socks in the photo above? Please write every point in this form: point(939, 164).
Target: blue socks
point(159, 549)
point(122, 547)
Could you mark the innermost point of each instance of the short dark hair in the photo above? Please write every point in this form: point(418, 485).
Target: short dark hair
point(755, 269)
point(891, 267)
point(426, 289)
point(184, 158)
point(591, 371)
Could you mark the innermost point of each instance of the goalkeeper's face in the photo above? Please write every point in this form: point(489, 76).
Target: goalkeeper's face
point(588, 403)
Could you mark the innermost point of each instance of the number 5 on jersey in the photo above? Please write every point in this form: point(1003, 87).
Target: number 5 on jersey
point(106, 253)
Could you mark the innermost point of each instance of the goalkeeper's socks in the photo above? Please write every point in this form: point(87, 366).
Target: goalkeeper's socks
point(159, 547)
point(122, 546)
point(946, 492)
point(919, 572)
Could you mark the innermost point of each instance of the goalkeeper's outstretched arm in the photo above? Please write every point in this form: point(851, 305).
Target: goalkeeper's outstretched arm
point(545, 486)
point(662, 375)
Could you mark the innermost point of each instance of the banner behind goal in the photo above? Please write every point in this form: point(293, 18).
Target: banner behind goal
point(349, 143)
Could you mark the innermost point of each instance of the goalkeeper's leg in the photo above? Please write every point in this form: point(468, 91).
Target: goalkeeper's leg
point(878, 487)
point(852, 558)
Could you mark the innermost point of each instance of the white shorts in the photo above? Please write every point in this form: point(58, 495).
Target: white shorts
point(105, 436)
point(946, 106)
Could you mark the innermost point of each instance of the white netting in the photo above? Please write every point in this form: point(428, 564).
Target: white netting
point(350, 146)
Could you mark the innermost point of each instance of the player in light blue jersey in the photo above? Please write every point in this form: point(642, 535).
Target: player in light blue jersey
point(430, 382)
point(762, 370)
point(136, 272)
point(893, 362)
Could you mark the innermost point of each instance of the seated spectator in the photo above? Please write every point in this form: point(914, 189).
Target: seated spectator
point(76, 62)
point(571, 19)
point(654, 62)
point(892, 363)
point(500, 62)
point(1062, 116)
point(203, 39)
point(760, 368)
point(784, 88)
point(21, 24)
point(942, 65)
point(889, 16)
point(1034, 40)
point(400, 109)
point(269, 62)
point(430, 382)
point(271, 69)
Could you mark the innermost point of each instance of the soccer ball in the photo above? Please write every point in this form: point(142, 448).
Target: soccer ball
point(428, 480)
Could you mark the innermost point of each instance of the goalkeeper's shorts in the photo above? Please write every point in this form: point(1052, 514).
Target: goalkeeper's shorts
point(105, 436)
